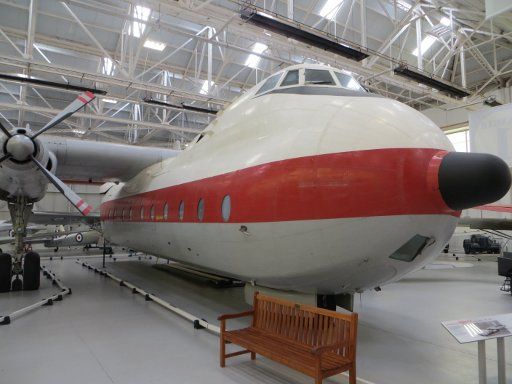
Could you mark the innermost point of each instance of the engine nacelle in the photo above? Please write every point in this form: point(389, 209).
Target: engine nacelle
point(19, 176)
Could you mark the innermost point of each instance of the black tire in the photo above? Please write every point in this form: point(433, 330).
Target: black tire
point(31, 275)
point(5, 272)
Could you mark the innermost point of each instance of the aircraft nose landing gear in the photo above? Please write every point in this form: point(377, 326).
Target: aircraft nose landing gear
point(26, 266)
point(30, 273)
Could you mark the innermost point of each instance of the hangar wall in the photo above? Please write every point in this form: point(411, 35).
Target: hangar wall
point(55, 202)
point(455, 117)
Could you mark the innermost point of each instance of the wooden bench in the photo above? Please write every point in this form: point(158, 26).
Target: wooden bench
point(317, 342)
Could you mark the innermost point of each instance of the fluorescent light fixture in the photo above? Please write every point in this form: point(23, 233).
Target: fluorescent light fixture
point(22, 75)
point(425, 45)
point(136, 29)
point(205, 89)
point(446, 21)
point(329, 10)
point(110, 101)
point(156, 45)
point(253, 60)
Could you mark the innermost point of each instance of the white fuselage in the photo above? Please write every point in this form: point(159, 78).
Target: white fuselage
point(323, 190)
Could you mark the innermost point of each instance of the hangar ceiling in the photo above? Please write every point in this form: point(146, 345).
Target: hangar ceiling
point(167, 66)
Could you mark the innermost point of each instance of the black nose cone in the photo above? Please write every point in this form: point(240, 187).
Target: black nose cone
point(468, 180)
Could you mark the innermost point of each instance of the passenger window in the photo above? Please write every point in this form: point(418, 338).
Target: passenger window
point(152, 213)
point(142, 213)
point(200, 210)
point(269, 84)
point(291, 78)
point(130, 216)
point(347, 81)
point(181, 210)
point(318, 76)
point(226, 208)
point(166, 211)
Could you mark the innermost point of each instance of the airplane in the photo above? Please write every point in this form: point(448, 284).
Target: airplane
point(306, 183)
point(81, 238)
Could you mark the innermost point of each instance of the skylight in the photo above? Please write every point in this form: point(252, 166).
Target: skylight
point(156, 45)
point(253, 60)
point(107, 67)
point(425, 45)
point(446, 21)
point(205, 89)
point(136, 29)
point(404, 5)
point(329, 9)
point(110, 101)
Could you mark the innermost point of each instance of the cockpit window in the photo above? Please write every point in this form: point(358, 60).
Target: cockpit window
point(269, 84)
point(318, 76)
point(347, 81)
point(291, 78)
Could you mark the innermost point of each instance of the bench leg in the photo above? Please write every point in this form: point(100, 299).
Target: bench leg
point(222, 352)
point(253, 355)
point(318, 380)
point(352, 378)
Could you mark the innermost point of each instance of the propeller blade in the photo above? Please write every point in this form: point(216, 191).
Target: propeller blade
point(73, 198)
point(4, 130)
point(81, 100)
point(4, 158)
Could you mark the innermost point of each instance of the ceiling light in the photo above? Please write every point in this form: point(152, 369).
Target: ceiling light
point(329, 10)
point(426, 43)
point(446, 21)
point(110, 101)
point(205, 89)
point(253, 60)
point(151, 44)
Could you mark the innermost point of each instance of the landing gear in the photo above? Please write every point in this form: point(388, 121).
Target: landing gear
point(31, 276)
point(5, 272)
point(17, 284)
point(25, 269)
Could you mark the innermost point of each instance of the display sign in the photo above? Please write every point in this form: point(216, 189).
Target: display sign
point(484, 328)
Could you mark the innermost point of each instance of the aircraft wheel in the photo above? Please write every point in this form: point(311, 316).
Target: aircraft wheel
point(17, 284)
point(31, 275)
point(5, 272)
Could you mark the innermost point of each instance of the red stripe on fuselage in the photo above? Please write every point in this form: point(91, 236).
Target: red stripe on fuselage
point(380, 182)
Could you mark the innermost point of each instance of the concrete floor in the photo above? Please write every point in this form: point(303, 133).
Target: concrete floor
point(104, 334)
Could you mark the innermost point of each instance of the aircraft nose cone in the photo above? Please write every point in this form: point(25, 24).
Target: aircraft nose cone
point(20, 147)
point(468, 180)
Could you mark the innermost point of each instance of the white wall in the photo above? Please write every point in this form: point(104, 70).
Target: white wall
point(55, 202)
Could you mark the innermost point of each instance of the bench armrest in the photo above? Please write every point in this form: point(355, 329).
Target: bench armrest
point(327, 348)
point(236, 315)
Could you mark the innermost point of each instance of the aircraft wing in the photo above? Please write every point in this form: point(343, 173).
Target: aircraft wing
point(486, 223)
point(503, 224)
point(96, 161)
point(64, 218)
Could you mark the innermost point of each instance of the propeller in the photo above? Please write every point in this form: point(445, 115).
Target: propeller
point(68, 193)
point(5, 130)
point(21, 148)
point(83, 99)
